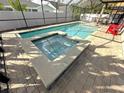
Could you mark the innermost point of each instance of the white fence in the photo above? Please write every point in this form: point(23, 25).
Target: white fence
point(92, 17)
point(14, 19)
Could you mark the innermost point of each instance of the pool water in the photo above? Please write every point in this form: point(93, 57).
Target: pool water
point(75, 29)
point(52, 47)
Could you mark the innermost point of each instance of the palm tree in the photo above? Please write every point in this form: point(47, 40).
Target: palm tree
point(1, 6)
point(17, 6)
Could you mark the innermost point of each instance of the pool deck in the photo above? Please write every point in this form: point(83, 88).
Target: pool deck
point(99, 69)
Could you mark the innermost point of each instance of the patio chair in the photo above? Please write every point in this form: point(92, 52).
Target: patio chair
point(2, 50)
point(120, 28)
point(3, 75)
point(2, 54)
point(114, 29)
point(3, 78)
point(2, 59)
point(121, 31)
point(1, 40)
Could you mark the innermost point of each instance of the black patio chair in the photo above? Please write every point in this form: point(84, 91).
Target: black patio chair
point(3, 75)
point(2, 59)
point(1, 40)
point(3, 78)
point(2, 50)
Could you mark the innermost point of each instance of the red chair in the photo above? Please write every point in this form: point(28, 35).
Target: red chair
point(114, 28)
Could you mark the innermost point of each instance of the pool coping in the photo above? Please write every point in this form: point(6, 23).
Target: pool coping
point(47, 34)
point(47, 70)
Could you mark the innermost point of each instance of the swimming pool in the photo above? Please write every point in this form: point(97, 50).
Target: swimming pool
point(52, 57)
point(74, 29)
point(52, 47)
point(52, 53)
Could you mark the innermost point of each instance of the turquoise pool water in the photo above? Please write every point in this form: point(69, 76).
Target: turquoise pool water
point(75, 29)
point(52, 47)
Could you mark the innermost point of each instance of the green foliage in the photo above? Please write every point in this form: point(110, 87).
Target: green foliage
point(76, 11)
point(107, 9)
point(97, 8)
point(17, 6)
point(1, 6)
point(92, 7)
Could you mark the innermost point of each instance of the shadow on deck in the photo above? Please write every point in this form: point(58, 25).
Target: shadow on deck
point(99, 69)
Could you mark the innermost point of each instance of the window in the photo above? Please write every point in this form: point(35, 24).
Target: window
point(7, 9)
point(34, 10)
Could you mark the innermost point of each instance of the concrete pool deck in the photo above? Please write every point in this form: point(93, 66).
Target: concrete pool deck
point(99, 69)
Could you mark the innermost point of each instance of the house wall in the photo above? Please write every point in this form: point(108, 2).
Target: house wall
point(14, 19)
point(46, 8)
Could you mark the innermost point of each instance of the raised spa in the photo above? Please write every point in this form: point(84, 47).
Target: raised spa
point(54, 46)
